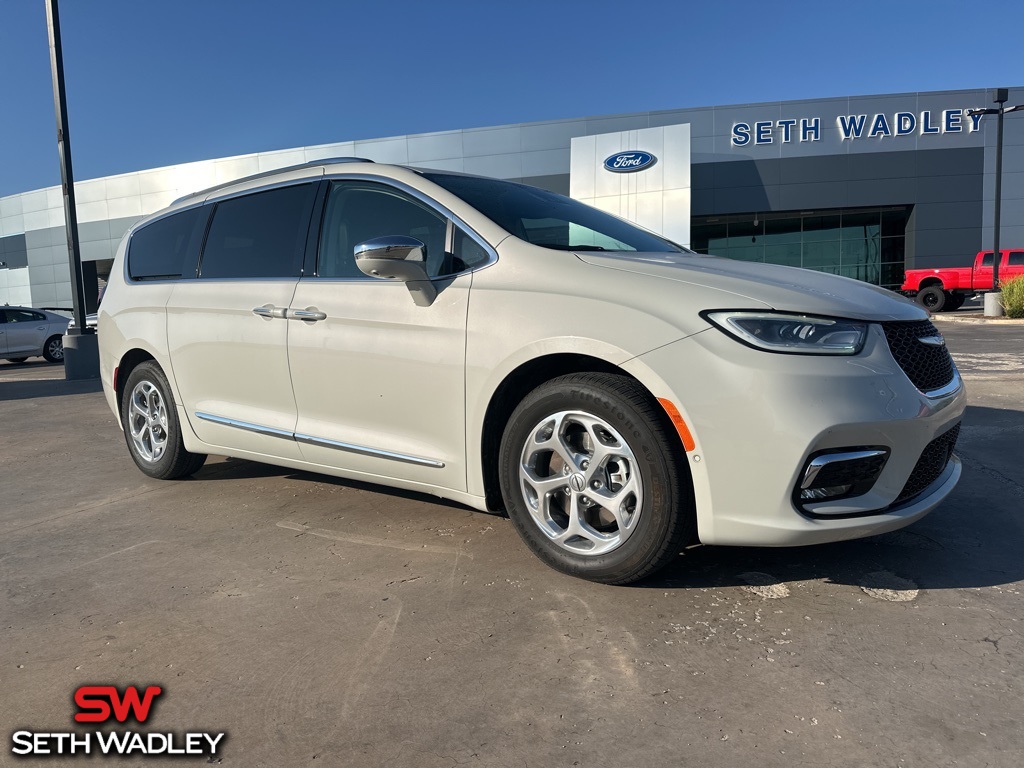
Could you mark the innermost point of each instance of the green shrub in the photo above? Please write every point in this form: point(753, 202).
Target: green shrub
point(1013, 296)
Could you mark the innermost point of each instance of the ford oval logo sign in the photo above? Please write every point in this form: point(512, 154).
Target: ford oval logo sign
point(628, 162)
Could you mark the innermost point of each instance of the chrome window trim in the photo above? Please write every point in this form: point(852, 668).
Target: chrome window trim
point(320, 441)
point(263, 188)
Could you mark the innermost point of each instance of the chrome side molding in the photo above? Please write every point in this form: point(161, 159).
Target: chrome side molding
point(321, 441)
point(365, 451)
point(258, 429)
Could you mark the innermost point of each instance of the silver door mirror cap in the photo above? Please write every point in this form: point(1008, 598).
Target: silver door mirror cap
point(397, 257)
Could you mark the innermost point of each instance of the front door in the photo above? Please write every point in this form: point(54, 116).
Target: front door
point(379, 382)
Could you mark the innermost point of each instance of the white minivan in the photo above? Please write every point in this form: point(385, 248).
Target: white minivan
point(617, 395)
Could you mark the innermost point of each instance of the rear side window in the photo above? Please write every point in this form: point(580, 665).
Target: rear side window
point(24, 316)
point(160, 251)
point(1016, 259)
point(259, 235)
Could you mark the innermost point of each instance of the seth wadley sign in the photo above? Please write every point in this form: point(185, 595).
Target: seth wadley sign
point(853, 127)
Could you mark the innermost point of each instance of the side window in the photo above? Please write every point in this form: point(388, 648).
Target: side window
point(986, 260)
point(468, 252)
point(23, 316)
point(357, 211)
point(160, 251)
point(258, 235)
point(1016, 259)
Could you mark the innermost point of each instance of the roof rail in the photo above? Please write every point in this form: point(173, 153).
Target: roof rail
point(275, 171)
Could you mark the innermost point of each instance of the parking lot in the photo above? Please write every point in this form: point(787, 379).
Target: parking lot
point(326, 622)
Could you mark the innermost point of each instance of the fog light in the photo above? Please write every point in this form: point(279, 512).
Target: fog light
point(841, 473)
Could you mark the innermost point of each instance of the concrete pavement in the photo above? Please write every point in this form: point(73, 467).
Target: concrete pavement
point(325, 622)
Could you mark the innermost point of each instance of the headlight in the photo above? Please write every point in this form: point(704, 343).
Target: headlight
point(792, 334)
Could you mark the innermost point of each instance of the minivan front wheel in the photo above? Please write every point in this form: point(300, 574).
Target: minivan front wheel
point(593, 480)
point(151, 426)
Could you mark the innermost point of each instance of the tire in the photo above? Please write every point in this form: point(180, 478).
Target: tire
point(53, 349)
point(16, 359)
point(151, 426)
point(954, 301)
point(932, 298)
point(640, 513)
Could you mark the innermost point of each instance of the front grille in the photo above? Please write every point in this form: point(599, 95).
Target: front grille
point(928, 367)
point(933, 461)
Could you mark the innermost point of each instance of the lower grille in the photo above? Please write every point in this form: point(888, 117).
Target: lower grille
point(932, 463)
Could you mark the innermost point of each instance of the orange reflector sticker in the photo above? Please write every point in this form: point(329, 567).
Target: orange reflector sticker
point(680, 425)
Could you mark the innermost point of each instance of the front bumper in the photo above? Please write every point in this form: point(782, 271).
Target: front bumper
point(757, 417)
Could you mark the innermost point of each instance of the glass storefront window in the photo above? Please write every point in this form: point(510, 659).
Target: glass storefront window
point(867, 244)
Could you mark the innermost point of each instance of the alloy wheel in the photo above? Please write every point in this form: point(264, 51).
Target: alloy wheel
point(580, 482)
point(147, 421)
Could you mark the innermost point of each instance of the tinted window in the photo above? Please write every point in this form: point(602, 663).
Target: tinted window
point(549, 220)
point(986, 260)
point(1016, 259)
point(357, 212)
point(24, 316)
point(468, 252)
point(160, 251)
point(259, 235)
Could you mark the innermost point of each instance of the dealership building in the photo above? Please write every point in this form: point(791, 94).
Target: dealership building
point(862, 186)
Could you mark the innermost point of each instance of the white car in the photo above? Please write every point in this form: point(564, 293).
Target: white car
point(617, 395)
point(27, 332)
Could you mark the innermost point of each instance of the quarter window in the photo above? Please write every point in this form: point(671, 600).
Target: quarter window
point(258, 235)
point(160, 251)
point(357, 212)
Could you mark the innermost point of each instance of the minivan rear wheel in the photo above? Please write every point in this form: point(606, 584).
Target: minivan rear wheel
point(151, 426)
point(593, 480)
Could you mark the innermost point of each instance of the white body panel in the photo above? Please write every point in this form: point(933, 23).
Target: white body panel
point(233, 364)
point(382, 373)
point(358, 378)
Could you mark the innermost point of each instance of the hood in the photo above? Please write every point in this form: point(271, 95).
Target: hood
point(788, 289)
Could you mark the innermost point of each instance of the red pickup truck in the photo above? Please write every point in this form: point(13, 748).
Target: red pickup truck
point(946, 288)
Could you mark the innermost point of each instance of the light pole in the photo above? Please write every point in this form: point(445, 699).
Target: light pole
point(81, 351)
point(993, 298)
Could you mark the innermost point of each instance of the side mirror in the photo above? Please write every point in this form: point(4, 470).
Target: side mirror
point(398, 258)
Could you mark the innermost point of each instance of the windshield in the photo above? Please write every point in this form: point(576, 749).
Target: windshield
point(549, 220)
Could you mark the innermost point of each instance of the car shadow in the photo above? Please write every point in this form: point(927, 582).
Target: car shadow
point(974, 539)
point(29, 389)
point(235, 469)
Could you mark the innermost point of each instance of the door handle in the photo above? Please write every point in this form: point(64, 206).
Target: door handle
point(269, 311)
point(311, 314)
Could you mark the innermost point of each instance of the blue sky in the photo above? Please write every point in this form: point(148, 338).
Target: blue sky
point(156, 83)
